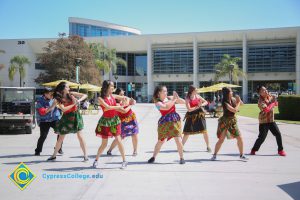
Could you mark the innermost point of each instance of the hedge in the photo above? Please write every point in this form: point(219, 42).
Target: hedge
point(289, 107)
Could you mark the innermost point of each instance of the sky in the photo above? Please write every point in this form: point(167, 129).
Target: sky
point(44, 19)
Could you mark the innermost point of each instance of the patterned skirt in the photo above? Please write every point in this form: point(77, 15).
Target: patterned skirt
point(129, 125)
point(69, 123)
point(169, 126)
point(108, 127)
point(228, 124)
point(195, 122)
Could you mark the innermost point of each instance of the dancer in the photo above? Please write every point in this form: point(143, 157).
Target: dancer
point(169, 125)
point(48, 116)
point(195, 117)
point(227, 125)
point(266, 104)
point(129, 126)
point(71, 121)
point(109, 125)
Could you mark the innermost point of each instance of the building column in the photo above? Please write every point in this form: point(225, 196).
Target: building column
point(298, 63)
point(195, 63)
point(245, 81)
point(150, 85)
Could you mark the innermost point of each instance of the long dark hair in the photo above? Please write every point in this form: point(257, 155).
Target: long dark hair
point(225, 93)
point(190, 91)
point(105, 86)
point(156, 92)
point(117, 92)
point(58, 92)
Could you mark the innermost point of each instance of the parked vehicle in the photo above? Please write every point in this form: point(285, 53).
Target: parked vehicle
point(17, 109)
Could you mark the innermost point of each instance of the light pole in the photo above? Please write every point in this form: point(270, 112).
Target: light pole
point(77, 63)
point(231, 67)
point(116, 78)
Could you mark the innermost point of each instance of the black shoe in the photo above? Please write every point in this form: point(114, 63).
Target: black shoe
point(151, 160)
point(60, 152)
point(109, 153)
point(182, 161)
point(51, 158)
point(37, 153)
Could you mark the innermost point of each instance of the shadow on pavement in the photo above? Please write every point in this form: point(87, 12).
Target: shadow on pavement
point(70, 169)
point(292, 189)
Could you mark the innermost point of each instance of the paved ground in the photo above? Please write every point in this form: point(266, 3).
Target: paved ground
point(265, 176)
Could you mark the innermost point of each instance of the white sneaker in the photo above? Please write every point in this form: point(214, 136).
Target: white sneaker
point(124, 165)
point(243, 157)
point(213, 158)
point(95, 164)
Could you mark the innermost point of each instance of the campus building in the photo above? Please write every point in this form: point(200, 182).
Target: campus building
point(269, 56)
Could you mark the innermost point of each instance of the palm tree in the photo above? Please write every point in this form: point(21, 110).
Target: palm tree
point(229, 66)
point(106, 59)
point(17, 64)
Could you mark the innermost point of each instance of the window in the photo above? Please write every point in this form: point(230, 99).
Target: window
point(272, 58)
point(172, 61)
point(209, 57)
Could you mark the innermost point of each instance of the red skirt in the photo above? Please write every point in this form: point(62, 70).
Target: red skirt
point(108, 127)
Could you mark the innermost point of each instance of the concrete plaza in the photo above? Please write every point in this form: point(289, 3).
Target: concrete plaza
point(265, 176)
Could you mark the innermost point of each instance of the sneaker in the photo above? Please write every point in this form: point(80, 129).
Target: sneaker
point(37, 153)
point(282, 153)
point(108, 153)
point(60, 152)
point(151, 160)
point(208, 149)
point(85, 159)
point(182, 161)
point(243, 157)
point(51, 158)
point(252, 152)
point(124, 165)
point(134, 153)
point(214, 157)
point(95, 164)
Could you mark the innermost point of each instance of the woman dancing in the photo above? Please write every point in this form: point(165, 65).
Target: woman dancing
point(227, 126)
point(71, 121)
point(109, 125)
point(129, 125)
point(195, 117)
point(169, 125)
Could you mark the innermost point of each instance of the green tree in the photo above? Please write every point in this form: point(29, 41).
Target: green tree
point(229, 66)
point(106, 59)
point(17, 63)
point(58, 60)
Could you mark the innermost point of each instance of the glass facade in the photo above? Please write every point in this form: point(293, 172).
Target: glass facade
point(136, 64)
point(272, 58)
point(180, 87)
point(173, 61)
point(86, 30)
point(138, 92)
point(209, 57)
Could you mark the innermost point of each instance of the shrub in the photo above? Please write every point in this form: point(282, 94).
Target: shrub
point(289, 107)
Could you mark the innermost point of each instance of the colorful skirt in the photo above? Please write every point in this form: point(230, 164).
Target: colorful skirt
point(108, 127)
point(69, 123)
point(129, 126)
point(195, 122)
point(228, 124)
point(169, 126)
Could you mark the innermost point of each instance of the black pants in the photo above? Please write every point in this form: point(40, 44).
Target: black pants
point(44, 130)
point(263, 131)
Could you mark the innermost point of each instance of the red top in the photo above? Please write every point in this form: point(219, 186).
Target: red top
point(165, 112)
point(122, 115)
point(110, 102)
point(73, 109)
point(194, 102)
